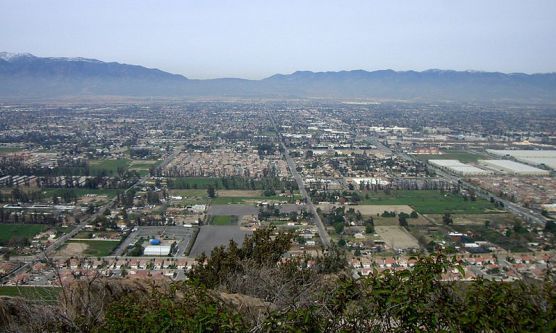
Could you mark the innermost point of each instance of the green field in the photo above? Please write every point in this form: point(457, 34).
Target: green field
point(194, 182)
point(430, 202)
point(461, 156)
point(22, 230)
point(243, 200)
point(46, 294)
point(97, 248)
point(223, 220)
point(109, 167)
point(10, 149)
point(143, 166)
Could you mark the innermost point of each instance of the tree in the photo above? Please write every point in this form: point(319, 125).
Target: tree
point(413, 215)
point(447, 219)
point(403, 221)
point(211, 191)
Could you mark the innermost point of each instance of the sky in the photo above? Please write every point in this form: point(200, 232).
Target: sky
point(255, 39)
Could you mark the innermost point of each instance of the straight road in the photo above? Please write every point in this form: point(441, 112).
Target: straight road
point(324, 236)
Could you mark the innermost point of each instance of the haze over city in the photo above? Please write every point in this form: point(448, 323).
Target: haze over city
point(256, 39)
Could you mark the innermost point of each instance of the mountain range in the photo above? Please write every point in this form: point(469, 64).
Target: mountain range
point(28, 76)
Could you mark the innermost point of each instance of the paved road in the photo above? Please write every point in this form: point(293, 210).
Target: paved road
point(324, 236)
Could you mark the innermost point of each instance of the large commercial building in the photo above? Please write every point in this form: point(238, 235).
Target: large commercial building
point(513, 168)
point(545, 158)
point(459, 168)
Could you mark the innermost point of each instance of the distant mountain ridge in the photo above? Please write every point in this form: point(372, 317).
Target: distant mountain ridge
point(25, 75)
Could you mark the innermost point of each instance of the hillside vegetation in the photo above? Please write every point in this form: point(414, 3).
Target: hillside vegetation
point(254, 288)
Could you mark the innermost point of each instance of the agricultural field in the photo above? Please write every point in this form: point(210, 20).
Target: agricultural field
point(92, 248)
point(462, 156)
point(108, 167)
point(44, 294)
point(430, 202)
point(7, 231)
point(142, 166)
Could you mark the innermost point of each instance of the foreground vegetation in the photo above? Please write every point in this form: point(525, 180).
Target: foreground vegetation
point(254, 288)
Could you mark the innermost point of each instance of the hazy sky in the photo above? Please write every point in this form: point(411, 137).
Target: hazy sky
point(254, 39)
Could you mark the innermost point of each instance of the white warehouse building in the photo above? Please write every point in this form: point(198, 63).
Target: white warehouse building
point(459, 168)
point(545, 158)
point(513, 168)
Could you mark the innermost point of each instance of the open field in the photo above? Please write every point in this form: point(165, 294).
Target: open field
point(379, 209)
point(223, 220)
point(194, 182)
point(388, 221)
point(46, 294)
point(93, 248)
point(211, 236)
point(235, 210)
point(7, 231)
point(110, 167)
point(10, 149)
point(239, 193)
point(397, 237)
point(142, 166)
point(477, 219)
point(461, 156)
point(430, 202)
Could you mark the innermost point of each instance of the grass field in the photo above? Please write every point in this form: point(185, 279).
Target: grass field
point(223, 220)
point(430, 202)
point(97, 248)
point(110, 167)
point(47, 294)
point(23, 230)
point(10, 149)
point(461, 156)
point(142, 166)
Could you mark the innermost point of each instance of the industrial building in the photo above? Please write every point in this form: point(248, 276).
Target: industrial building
point(513, 168)
point(459, 168)
point(545, 158)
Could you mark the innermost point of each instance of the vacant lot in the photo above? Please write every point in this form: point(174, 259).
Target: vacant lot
point(7, 231)
point(211, 236)
point(379, 209)
point(430, 202)
point(142, 166)
point(235, 210)
point(239, 193)
point(397, 237)
point(92, 248)
point(477, 219)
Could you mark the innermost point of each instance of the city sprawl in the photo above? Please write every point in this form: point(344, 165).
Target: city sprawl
point(139, 191)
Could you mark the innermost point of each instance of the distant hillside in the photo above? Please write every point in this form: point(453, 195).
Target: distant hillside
point(24, 75)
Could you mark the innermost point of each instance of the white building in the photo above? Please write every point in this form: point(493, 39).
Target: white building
point(513, 168)
point(157, 250)
point(459, 168)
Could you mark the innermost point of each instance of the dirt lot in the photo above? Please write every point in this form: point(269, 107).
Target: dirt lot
point(72, 249)
point(238, 193)
point(379, 209)
point(211, 236)
point(372, 210)
point(397, 237)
